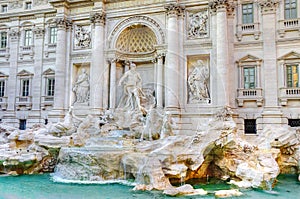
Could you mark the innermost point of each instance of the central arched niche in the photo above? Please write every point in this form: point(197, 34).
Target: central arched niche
point(136, 40)
point(136, 43)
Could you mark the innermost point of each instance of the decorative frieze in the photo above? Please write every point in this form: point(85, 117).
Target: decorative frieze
point(173, 9)
point(14, 35)
point(63, 23)
point(39, 32)
point(82, 37)
point(268, 5)
point(198, 25)
point(16, 4)
point(40, 2)
point(98, 18)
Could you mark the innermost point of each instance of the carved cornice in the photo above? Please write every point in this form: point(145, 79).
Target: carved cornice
point(98, 18)
point(39, 32)
point(268, 5)
point(173, 9)
point(63, 23)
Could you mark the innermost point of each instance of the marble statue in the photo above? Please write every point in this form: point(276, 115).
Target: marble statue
point(198, 83)
point(82, 37)
point(82, 87)
point(132, 84)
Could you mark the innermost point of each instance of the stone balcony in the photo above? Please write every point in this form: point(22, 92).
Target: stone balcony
point(249, 95)
point(26, 51)
point(23, 102)
point(4, 52)
point(3, 103)
point(47, 101)
point(289, 94)
point(288, 25)
point(248, 29)
point(49, 49)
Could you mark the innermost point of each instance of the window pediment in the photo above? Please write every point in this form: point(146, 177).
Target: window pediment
point(248, 59)
point(2, 75)
point(290, 56)
point(24, 73)
point(49, 71)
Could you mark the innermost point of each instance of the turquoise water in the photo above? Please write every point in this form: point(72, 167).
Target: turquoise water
point(42, 187)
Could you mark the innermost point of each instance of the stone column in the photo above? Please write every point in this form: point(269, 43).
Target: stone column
point(60, 64)
point(38, 62)
point(106, 85)
point(220, 7)
point(13, 67)
point(172, 69)
point(159, 81)
point(97, 66)
point(113, 84)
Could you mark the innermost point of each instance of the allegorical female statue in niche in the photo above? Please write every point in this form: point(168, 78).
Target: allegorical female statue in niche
point(82, 87)
point(198, 83)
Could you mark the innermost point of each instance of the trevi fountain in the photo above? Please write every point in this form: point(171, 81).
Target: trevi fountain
point(136, 145)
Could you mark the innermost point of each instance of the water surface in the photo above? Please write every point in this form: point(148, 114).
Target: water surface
point(42, 187)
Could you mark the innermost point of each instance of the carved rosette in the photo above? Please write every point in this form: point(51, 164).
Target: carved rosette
point(98, 18)
point(63, 23)
point(14, 35)
point(174, 10)
point(268, 5)
point(217, 4)
point(39, 32)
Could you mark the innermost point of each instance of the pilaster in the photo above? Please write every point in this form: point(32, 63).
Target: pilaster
point(271, 113)
point(13, 60)
point(38, 62)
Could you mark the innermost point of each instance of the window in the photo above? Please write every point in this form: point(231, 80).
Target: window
point(290, 9)
point(28, 5)
point(249, 77)
point(25, 87)
point(292, 78)
point(3, 40)
point(28, 38)
point(2, 88)
point(22, 125)
point(50, 86)
point(294, 122)
point(4, 8)
point(247, 10)
point(53, 35)
point(250, 126)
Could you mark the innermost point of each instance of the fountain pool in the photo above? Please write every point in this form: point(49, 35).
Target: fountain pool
point(41, 186)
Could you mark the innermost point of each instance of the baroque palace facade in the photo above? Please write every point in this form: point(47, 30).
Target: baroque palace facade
point(194, 56)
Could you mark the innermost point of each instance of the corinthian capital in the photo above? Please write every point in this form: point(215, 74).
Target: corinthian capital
point(268, 5)
point(98, 18)
point(174, 9)
point(63, 23)
point(217, 4)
